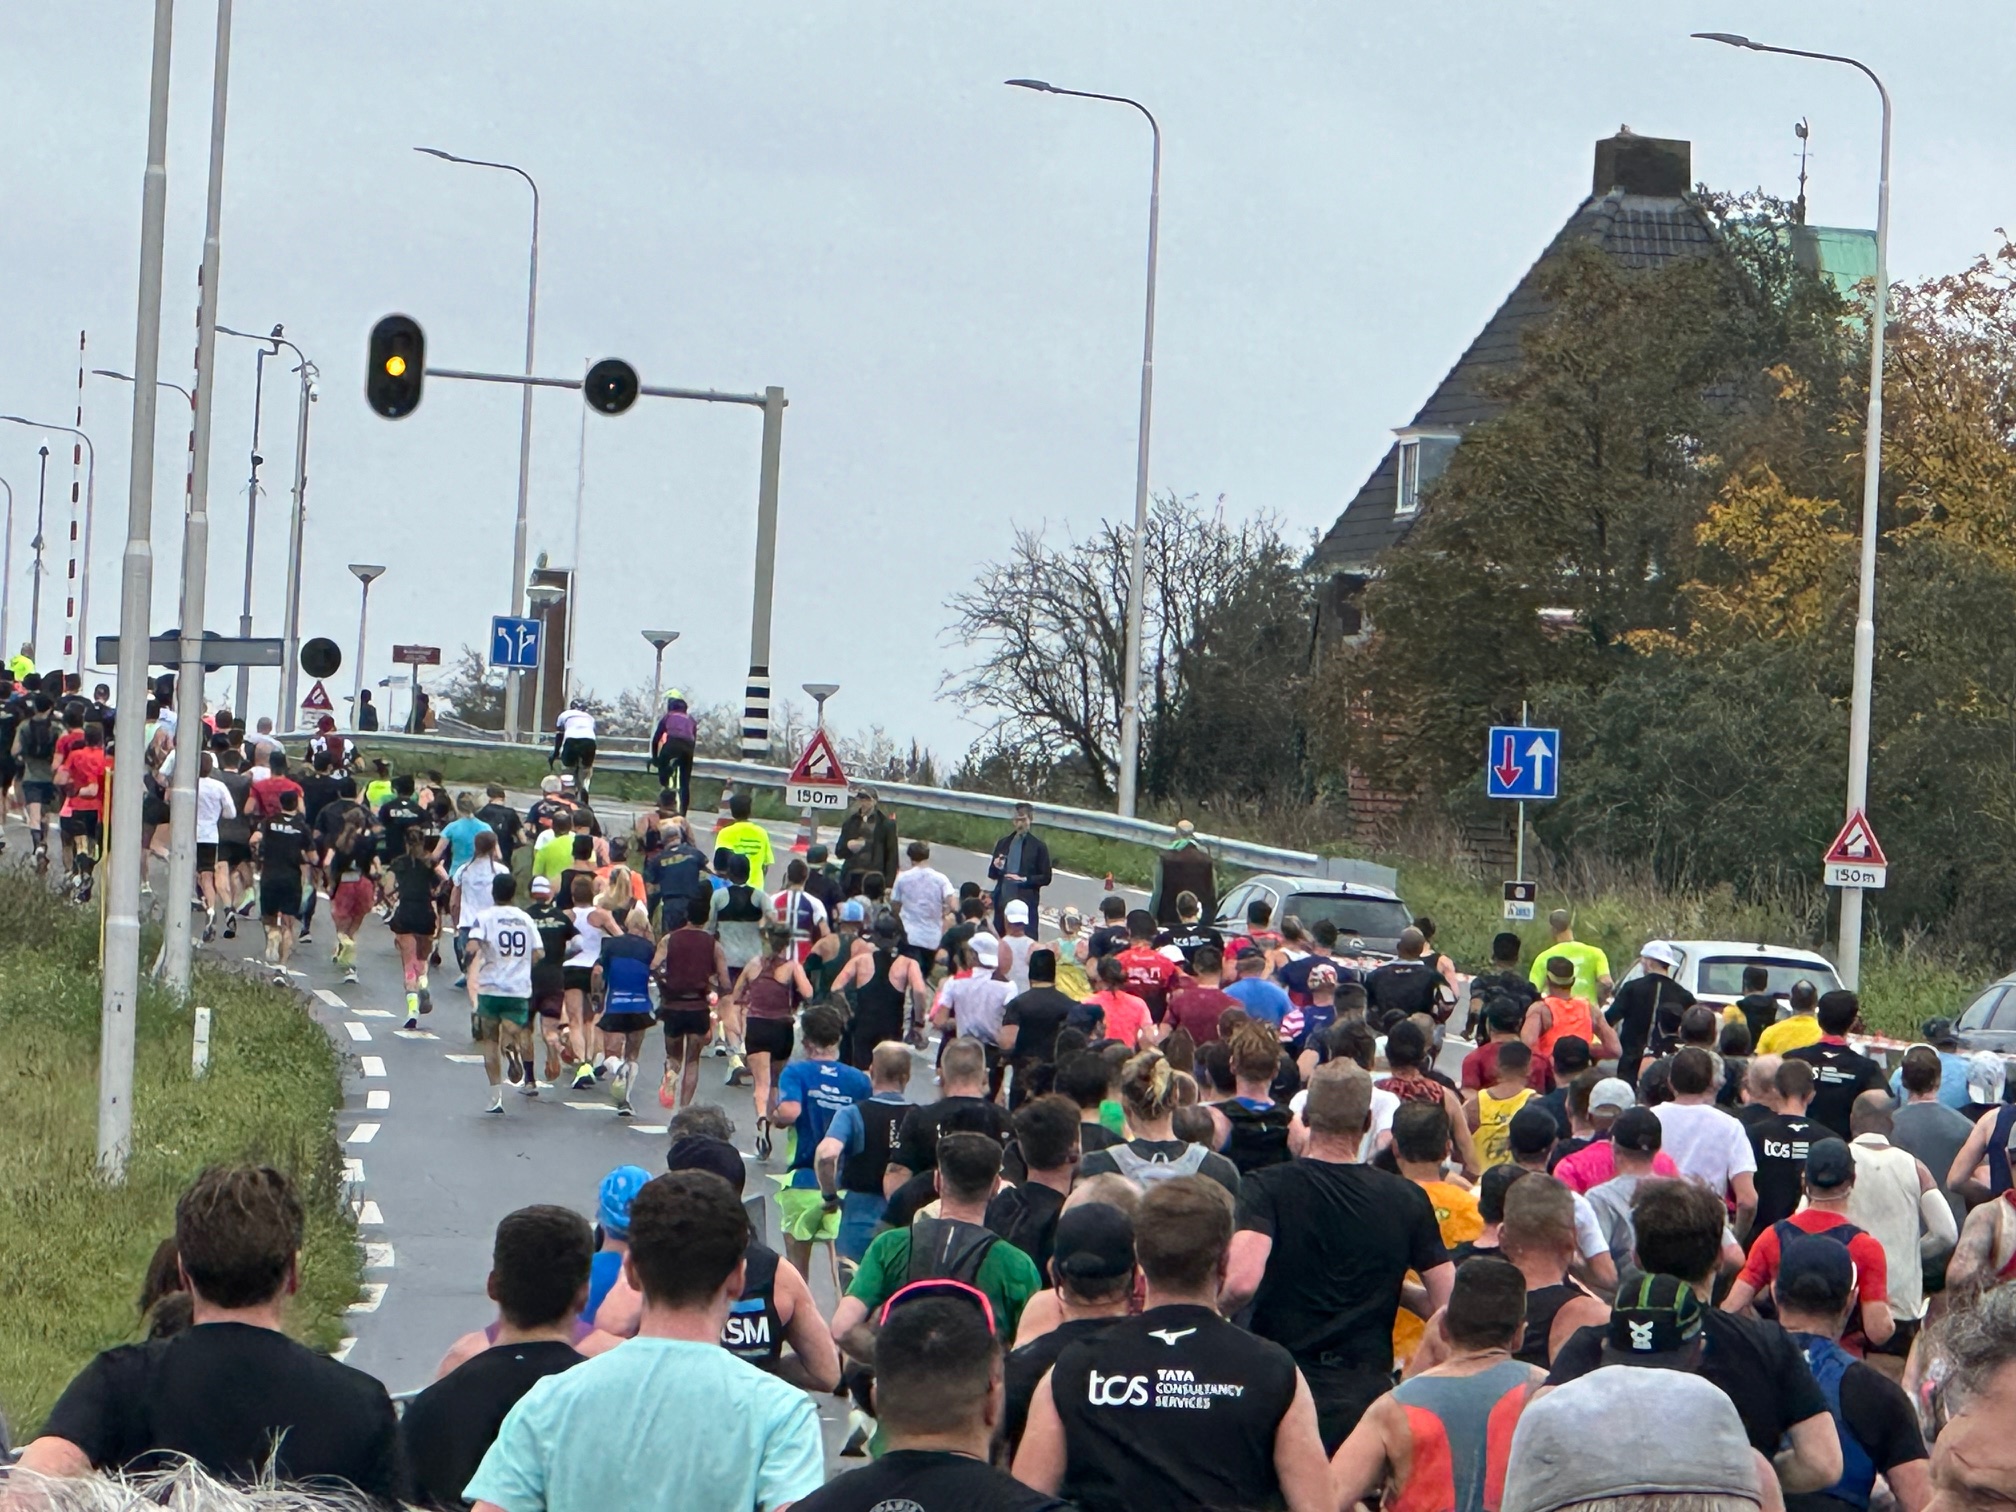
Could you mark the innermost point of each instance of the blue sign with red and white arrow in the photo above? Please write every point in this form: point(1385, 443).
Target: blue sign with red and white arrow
point(1523, 763)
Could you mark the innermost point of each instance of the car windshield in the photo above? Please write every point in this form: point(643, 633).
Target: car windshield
point(1722, 976)
point(1355, 918)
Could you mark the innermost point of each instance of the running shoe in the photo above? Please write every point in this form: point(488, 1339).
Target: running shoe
point(349, 972)
point(302, 938)
point(412, 1022)
point(84, 891)
point(231, 926)
point(763, 1145)
point(584, 1078)
point(280, 976)
point(738, 1073)
point(426, 1001)
point(209, 933)
point(718, 1048)
point(624, 1110)
point(496, 1101)
point(528, 1088)
point(514, 1070)
point(859, 1431)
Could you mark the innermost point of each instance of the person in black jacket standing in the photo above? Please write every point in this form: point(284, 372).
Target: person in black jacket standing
point(867, 843)
point(1020, 869)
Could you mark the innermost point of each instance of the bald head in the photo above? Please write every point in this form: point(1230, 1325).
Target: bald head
point(1871, 1114)
point(1558, 921)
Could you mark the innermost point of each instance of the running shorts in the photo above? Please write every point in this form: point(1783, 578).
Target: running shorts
point(44, 793)
point(153, 807)
point(408, 920)
point(510, 1010)
point(577, 978)
point(802, 1215)
point(577, 753)
point(280, 894)
point(685, 1020)
point(350, 902)
point(233, 852)
point(771, 1037)
point(206, 854)
point(548, 1001)
point(625, 1023)
point(82, 825)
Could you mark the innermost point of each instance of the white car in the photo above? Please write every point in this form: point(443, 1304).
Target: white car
point(1713, 969)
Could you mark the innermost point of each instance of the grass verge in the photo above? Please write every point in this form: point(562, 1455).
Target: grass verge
point(73, 1251)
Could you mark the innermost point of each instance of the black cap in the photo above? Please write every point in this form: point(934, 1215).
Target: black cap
point(1637, 1130)
point(1830, 1164)
point(1938, 1032)
point(702, 1152)
point(1094, 1242)
point(1533, 1130)
point(1655, 1321)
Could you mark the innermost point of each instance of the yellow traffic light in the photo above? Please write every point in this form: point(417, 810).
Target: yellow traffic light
point(395, 365)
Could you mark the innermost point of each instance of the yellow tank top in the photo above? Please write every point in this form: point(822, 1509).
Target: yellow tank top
point(1494, 1124)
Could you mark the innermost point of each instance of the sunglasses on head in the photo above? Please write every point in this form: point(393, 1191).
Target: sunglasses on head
point(920, 1291)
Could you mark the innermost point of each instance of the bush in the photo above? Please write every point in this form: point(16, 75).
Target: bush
point(73, 1251)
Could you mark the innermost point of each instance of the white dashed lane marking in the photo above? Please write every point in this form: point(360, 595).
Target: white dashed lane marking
point(377, 1100)
point(357, 1031)
point(378, 1257)
point(363, 1134)
point(368, 1215)
point(330, 998)
point(373, 1294)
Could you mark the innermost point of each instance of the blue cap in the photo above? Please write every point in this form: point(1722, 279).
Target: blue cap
point(619, 1189)
point(853, 911)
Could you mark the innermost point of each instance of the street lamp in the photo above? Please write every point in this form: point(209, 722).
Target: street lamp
point(364, 573)
point(543, 596)
point(819, 693)
point(1848, 955)
point(90, 510)
point(252, 499)
point(659, 640)
point(1130, 698)
point(512, 681)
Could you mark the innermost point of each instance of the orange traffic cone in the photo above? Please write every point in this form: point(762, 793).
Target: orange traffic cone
point(722, 818)
point(803, 842)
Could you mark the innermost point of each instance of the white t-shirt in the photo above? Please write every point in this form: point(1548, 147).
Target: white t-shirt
point(474, 879)
point(1018, 948)
point(1706, 1143)
point(213, 802)
point(573, 724)
point(509, 937)
point(921, 894)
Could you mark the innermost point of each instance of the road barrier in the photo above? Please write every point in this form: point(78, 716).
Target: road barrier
point(622, 754)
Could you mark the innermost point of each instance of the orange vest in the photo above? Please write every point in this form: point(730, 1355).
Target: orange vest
point(1568, 1016)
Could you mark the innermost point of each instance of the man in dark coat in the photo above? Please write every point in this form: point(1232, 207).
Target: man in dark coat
point(867, 842)
point(1020, 869)
point(1184, 867)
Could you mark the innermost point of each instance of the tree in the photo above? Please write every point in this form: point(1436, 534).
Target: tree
point(1048, 627)
point(473, 692)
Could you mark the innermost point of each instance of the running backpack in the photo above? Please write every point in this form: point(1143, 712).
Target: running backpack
point(38, 738)
point(948, 1249)
point(1132, 1164)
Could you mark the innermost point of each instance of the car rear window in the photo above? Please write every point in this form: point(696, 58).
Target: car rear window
point(1364, 918)
point(1722, 976)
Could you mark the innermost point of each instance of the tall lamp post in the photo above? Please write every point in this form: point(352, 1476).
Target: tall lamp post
point(364, 573)
point(90, 509)
point(1130, 697)
point(269, 347)
point(513, 694)
point(35, 545)
point(7, 575)
point(1848, 955)
point(659, 640)
point(298, 516)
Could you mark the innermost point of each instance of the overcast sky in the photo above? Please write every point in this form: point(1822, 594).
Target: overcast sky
point(945, 275)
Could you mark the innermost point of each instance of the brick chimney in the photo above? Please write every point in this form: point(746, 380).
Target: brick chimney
point(1661, 166)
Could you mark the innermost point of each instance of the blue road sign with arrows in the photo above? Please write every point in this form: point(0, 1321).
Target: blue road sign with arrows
point(514, 643)
point(1523, 763)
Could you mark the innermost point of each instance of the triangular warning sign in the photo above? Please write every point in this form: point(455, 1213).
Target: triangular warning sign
point(1856, 843)
point(820, 763)
point(317, 701)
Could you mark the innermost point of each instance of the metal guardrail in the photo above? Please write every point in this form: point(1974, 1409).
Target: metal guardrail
point(1243, 854)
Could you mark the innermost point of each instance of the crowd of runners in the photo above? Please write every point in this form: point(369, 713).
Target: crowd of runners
point(1196, 1218)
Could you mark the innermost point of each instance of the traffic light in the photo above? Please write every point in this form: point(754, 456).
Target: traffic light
point(398, 363)
point(611, 386)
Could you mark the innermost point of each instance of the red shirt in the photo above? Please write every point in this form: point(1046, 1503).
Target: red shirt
point(1480, 1069)
point(1126, 1015)
point(1872, 1275)
point(67, 742)
point(266, 795)
point(85, 768)
point(1197, 1009)
point(1150, 975)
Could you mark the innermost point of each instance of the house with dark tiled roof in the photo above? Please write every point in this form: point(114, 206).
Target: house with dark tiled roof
point(1642, 211)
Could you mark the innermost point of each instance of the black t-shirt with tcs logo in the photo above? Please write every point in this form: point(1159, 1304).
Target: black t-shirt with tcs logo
point(1780, 1143)
point(1840, 1075)
point(1175, 1408)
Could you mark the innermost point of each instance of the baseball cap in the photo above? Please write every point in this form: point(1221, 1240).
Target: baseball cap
point(1655, 1321)
point(816, 855)
point(1095, 1242)
point(1533, 1130)
point(1661, 1432)
point(1612, 1092)
point(542, 887)
point(1016, 912)
point(1819, 1261)
point(1938, 1032)
point(1660, 951)
point(1829, 1164)
point(1637, 1130)
point(549, 784)
point(567, 780)
point(853, 911)
point(619, 1189)
point(1560, 971)
point(702, 1152)
point(986, 950)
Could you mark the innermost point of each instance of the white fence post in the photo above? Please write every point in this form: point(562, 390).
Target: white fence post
point(199, 1059)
